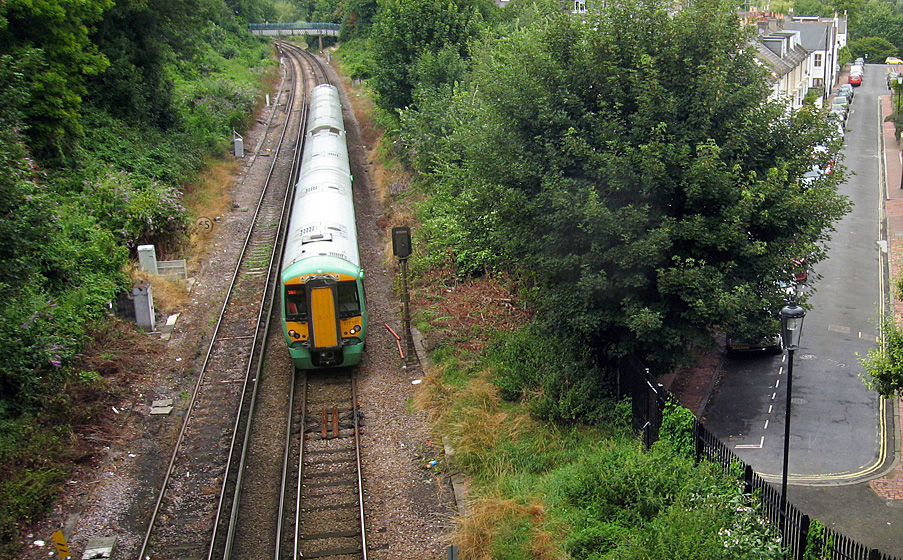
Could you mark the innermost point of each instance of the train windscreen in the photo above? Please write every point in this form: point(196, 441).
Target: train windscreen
point(349, 302)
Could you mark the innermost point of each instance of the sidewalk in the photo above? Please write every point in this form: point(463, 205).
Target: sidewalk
point(890, 487)
point(869, 512)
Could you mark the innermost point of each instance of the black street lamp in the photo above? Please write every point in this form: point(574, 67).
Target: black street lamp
point(792, 317)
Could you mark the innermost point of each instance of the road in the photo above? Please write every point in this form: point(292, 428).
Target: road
point(841, 432)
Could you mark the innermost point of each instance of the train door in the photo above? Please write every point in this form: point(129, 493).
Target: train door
point(324, 317)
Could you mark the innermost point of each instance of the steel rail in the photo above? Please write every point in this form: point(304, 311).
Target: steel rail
point(357, 453)
point(203, 370)
point(275, 260)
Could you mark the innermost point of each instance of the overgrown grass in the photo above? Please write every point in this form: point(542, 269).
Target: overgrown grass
point(34, 457)
point(546, 490)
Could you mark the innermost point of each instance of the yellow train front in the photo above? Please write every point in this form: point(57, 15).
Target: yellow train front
point(324, 312)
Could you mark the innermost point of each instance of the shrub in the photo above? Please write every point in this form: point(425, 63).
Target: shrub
point(553, 376)
point(136, 210)
point(33, 457)
point(677, 430)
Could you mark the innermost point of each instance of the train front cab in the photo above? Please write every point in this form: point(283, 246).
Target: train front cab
point(325, 320)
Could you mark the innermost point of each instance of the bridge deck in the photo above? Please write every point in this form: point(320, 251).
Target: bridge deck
point(299, 28)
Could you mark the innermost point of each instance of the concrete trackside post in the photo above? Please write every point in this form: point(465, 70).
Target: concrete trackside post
point(147, 258)
point(144, 305)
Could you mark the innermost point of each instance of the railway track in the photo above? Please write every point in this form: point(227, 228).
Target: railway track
point(198, 502)
point(327, 512)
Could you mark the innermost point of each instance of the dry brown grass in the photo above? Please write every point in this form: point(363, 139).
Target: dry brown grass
point(209, 197)
point(434, 396)
point(472, 417)
point(169, 296)
point(477, 531)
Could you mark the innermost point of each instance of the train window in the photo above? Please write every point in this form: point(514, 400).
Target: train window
point(295, 304)
point(349, 302)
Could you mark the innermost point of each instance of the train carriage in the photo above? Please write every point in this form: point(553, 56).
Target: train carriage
point(324, 313)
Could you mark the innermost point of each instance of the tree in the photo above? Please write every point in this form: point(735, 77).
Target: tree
point(883, 366)
point(406, 30)
point(141, 38)
point(632, 165)
point(878, 19)
point(811, 8)
point(358, 18)
point(54, 37)
point(874, 49)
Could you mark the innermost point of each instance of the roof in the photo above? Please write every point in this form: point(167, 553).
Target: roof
point(814, 36)
point(778, 65)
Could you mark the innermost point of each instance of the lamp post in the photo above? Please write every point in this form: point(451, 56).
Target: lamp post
point(791, 329)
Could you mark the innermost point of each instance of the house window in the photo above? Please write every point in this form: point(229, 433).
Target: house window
point(580, 7)
point(818, 57)
point(817, 82)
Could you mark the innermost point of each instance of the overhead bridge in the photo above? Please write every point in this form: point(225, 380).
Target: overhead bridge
point(299, 28)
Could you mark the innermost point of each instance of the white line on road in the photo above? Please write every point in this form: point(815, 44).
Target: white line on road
point(751, 445)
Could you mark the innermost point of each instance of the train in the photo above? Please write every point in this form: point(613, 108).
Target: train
point(324, 310)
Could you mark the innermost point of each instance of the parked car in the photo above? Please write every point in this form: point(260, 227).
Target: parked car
point(892, 78)
point(769, 344)
point(892, 60)
point(855, 79)
point(822, 157)
point(838, 113)
point(860, 61)
point(800, 270)
point(847, 91)
point(839, 127)
point(809, 178)
point(857, 69)
point(841, 102)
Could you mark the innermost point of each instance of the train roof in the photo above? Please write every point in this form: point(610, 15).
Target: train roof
point(321, 264)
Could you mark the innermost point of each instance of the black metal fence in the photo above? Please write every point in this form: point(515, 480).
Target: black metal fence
point(648, 399)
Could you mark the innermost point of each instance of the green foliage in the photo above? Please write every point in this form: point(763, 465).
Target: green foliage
point(357, 19)
point(252, 11)
point(32, 457)
point(52, 39)
point(877, 19)
point(810, 8)
point(407, 30)
point(678, 430)
point(883, 366)
point(212, 107)
point(137, 212)
point(632, 164)
point(554, 377)
point(23, 213)
point(819, 544)
point(111, 144)
point(624, 503)
point(356, 59)
point(873, 49)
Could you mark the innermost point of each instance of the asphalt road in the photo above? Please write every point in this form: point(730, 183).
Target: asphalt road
point(841, 432)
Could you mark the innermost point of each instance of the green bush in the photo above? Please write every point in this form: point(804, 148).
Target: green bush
point(356, 59)
point(629, 504)
point(33, 457)
point(677, 430)
point(883, 366)
point(212, 107)
point(135, 210)
point(555, 377)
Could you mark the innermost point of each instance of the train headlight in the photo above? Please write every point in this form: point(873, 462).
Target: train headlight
point(293, 334)
point(355, 329)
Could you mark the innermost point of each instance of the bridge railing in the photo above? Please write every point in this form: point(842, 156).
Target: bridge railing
point(296, 28)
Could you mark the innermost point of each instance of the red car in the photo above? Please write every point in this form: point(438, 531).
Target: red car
point(855, 79)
